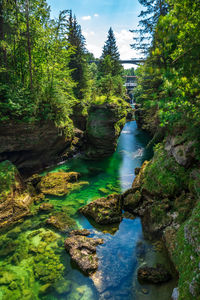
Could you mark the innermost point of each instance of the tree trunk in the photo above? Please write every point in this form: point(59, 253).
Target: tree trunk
point(29, 43)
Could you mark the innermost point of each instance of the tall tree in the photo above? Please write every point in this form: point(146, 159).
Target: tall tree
point(29, 43)
point(77, 63)
point(148, 22)
point(110, 56)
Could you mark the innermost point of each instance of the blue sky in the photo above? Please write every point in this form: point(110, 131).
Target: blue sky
point(96, 17)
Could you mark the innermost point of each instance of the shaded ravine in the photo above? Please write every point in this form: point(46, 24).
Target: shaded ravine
point(125, 247)
point(31, 255)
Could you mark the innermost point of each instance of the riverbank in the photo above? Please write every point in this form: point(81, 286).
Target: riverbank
point(168, 189)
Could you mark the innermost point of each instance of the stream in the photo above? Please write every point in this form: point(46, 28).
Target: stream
point(124, 250)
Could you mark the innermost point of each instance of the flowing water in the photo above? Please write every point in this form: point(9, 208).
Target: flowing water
point(32, 255)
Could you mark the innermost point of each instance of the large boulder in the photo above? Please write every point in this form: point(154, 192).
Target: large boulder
point(131, 200)
point(58, 183)
point(104, 210)
point(82, 250)
point(181, 149)
point(158, 274)
point(103, 128)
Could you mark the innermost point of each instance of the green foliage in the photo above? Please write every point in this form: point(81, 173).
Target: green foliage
point(77, 62)
point(148, 22)
point(7, 176)
point(129, 72)
point(163, 176)
point(169, 80)
point(45, 69)
point(35, 81)
point(110, 53)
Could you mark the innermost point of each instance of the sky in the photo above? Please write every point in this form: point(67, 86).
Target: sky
point(97, 16)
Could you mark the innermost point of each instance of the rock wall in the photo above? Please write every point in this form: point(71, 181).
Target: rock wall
point(103, 128)
point(34, 146)
point(166, 194)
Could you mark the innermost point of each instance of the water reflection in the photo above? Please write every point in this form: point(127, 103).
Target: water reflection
point(125, 247)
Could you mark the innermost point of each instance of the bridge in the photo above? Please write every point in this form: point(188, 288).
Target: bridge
point(133, 61)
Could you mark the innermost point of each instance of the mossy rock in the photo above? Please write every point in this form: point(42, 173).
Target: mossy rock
point(62, 222)
point(131, 200)
point(163, 176)
point(185, 255)
point(58, 183)
point(104, 210)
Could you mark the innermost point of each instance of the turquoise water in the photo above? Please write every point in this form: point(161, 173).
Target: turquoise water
point(37, 257)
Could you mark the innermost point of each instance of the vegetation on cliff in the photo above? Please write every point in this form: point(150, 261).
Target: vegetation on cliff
point(168, 106)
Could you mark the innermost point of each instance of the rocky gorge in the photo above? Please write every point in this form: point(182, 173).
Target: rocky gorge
point(32, 147)
point(54, 199)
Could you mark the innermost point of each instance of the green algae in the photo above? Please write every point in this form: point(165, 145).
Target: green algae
point(34, 261)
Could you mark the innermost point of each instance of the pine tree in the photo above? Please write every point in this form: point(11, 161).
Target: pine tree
point(77, 62)
point(110, 56)
point(150, 17)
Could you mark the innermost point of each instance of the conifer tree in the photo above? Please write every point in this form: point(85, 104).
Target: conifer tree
point(148, 22)
point(111, 56)
point(77, 62)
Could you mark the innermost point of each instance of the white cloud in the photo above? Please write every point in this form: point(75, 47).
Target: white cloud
point(87, 33)
point(123, 39)
point(86, 18)
point(96, 15)
point(96, 50)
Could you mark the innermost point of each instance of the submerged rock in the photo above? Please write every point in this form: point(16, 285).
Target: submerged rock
point(46, 207)
point(58, 183)
point(83, 232)
point(62, 222)
point(156, 274)
point(83, 252)
point(104, 210)
point(63, 286)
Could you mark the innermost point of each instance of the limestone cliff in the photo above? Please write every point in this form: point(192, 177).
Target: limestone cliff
point(104, 125)
point(33, 146)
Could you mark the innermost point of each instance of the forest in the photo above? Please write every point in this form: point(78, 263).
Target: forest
point(168, 83)
point(99, 195)
point(44, 65)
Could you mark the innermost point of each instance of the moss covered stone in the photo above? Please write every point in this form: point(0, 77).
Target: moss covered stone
point(58, 183)
point(104, 210)
point(164, 176)
point(62, 222)
point(185, 254)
